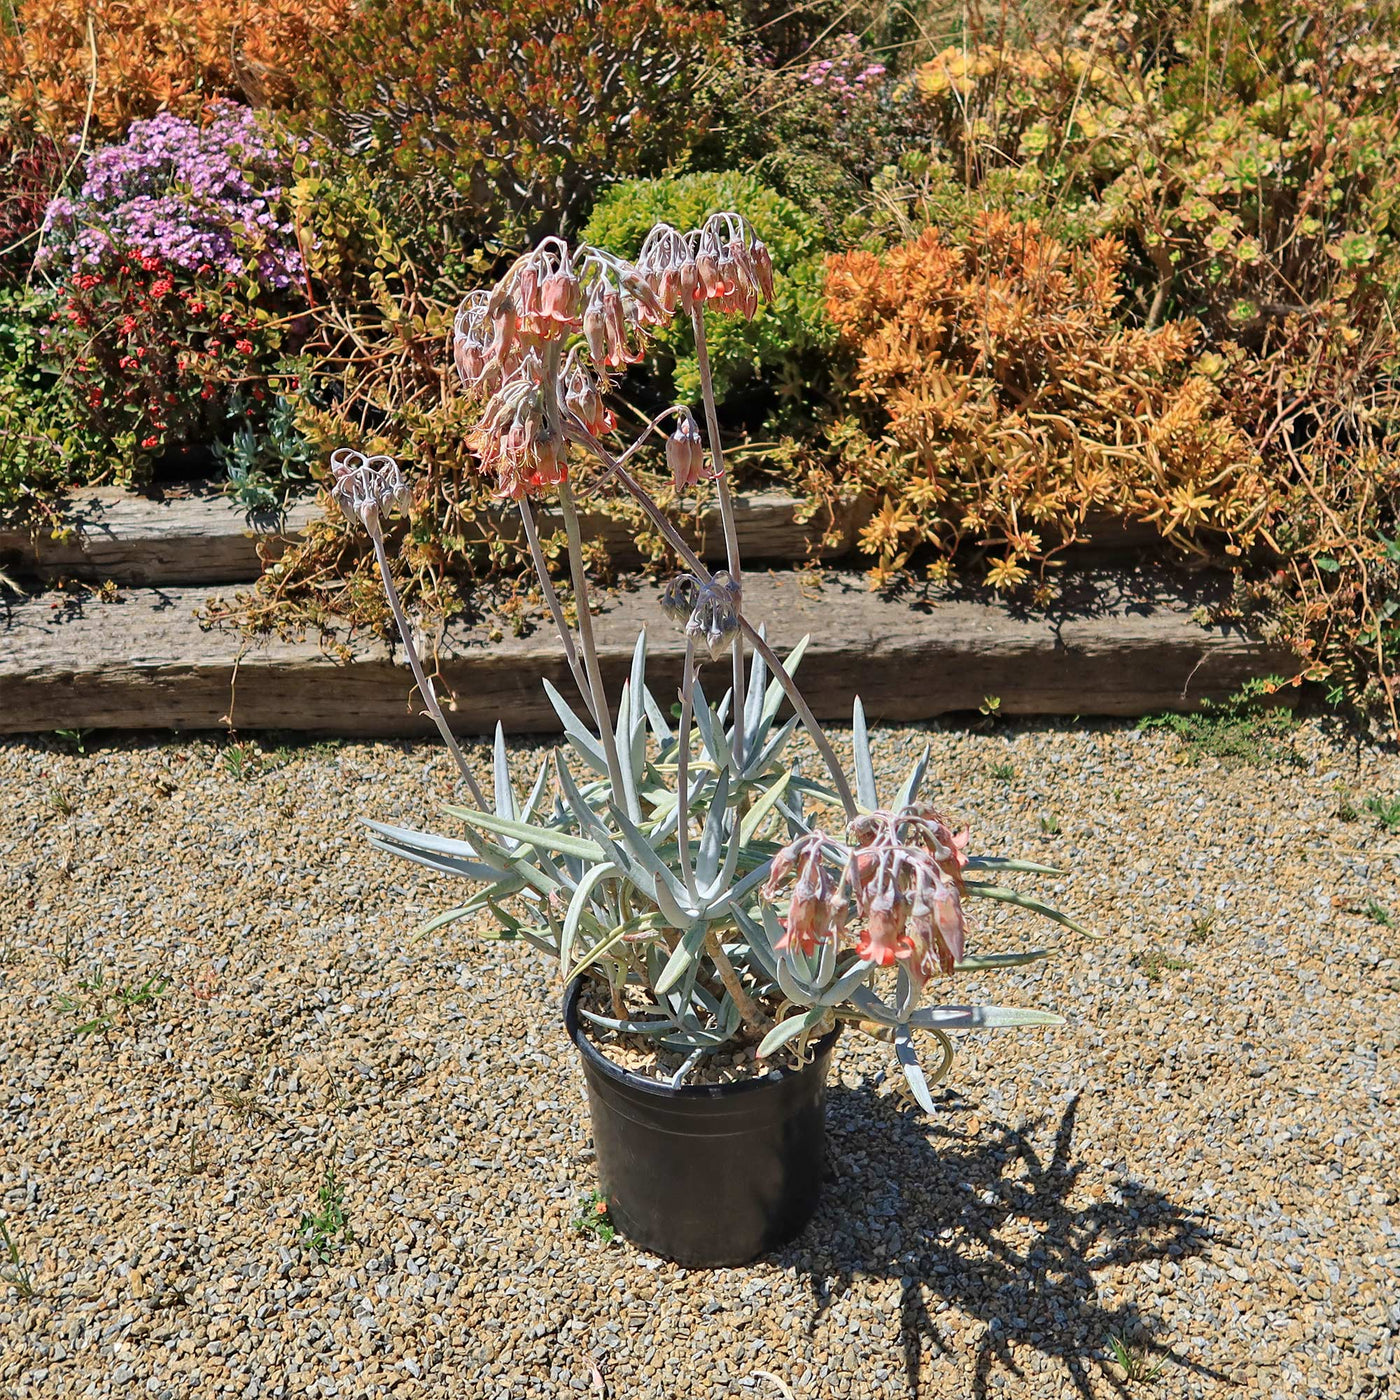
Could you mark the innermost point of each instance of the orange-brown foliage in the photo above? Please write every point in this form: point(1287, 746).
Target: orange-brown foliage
point(153, 55)
point(1010, 401)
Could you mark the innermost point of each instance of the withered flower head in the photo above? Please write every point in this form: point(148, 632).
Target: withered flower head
point(715, 619)
point(367, 487)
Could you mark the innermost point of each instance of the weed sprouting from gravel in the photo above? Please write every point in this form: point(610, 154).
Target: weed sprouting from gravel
point(1202, 926)
point(592, 1218)
point(195, 1161)
point(98, 1006)
point(1245, 729)
point(246, 1104)
point(1153, 963)
point(60, 801)
point(1002, 772)
point(14, 1271)
point(1378, 913)
point(1049, 824)
point(1386, 810)
point(1137, 1366)
point(328, 1227)
point(241, 762)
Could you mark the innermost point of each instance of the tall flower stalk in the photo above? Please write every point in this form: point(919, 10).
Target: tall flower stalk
point(658, 858)
point(366, 488)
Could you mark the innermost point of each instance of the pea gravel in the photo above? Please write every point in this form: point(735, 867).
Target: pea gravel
point(1202, 1163)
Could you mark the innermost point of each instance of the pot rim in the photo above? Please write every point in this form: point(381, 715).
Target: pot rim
point(574, 1025)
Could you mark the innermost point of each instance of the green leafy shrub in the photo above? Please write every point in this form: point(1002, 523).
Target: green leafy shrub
point(819, 126)
point(791, 340)
point(34, 454)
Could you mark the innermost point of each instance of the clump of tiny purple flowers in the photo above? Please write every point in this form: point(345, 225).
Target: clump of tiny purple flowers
point(846, 76)
point(200, 198)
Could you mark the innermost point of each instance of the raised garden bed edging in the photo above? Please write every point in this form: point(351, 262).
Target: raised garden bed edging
point(1128, 644)
point(206, 539)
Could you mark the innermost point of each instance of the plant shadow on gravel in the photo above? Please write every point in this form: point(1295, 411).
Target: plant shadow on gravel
point(952, 1225)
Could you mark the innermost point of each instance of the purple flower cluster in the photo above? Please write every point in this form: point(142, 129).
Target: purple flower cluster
point(195, 197)
point(846, 76)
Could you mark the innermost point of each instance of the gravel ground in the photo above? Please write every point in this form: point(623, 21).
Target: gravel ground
point(1201, 1162)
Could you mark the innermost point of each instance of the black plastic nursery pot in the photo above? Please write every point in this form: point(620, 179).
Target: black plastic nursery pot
point(708, 1175)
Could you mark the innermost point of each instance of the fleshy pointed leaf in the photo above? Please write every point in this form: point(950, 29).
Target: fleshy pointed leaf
point(995, 962)
point(910, 788)
point(506, 805)
point(753, 697)
point(444, 865)
point(760, 809)
point(648, 1027)
point(712, 834)
point(581, 897)
point(582, 739)
point(775, 696)
point(913, 1073)
point(980, 1018)
point(977, 890)
point(1001, 863)
point(682, 959)
point(865, 768)
point(544, 838)
point(790, 1029)
point(439, 845)
point(711, 731)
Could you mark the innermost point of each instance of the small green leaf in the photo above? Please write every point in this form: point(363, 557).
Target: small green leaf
point(790, 1029)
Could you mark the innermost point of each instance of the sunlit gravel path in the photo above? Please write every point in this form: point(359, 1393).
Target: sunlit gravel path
point(1202, 1163)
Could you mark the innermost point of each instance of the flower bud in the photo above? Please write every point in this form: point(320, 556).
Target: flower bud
point(685, 454)
point(689, 282)
point(763, 267)
point(595, 333)
point(679, 599)
point(882, 938)
point(559, 297)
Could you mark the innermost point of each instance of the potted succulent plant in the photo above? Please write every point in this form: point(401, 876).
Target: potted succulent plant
point(717, 916)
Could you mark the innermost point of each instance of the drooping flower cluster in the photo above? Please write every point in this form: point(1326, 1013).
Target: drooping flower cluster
point(199, 198)
point(816, 912)
point(710, 611)
point(367, 487)
point(722, 262)
point(510, 343)
point(902, 872)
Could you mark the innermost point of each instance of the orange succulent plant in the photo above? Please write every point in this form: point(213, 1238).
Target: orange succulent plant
point(138, 57)
point(1009, 401)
